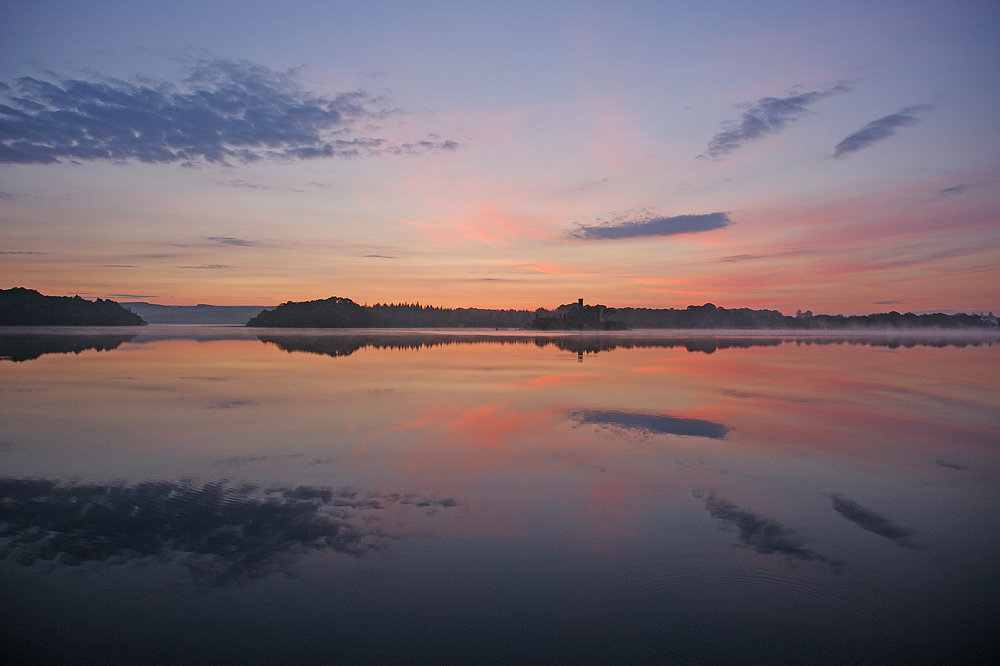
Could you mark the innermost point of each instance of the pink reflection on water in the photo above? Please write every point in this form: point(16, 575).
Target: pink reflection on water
point(491, 424)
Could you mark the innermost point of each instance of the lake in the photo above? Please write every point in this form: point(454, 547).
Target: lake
point(217, 495)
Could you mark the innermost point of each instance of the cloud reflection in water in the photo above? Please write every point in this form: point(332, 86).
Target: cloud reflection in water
point(872, 522)
point(223, 533)
point(646, 423)
point(765, 535)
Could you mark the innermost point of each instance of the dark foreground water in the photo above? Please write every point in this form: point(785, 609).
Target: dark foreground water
point(198, 495)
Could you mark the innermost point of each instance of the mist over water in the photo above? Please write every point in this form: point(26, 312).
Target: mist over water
point(223, 494)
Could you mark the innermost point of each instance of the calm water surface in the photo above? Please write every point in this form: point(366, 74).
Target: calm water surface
point(219, 495)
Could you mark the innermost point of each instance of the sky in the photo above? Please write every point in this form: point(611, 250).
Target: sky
point(835, 157)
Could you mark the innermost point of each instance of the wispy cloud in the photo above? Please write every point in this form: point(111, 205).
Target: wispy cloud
point(872, 522)
point(764, 117)
point(239, 182)
point(642, 223)
point(207, 266)
point(230, 404)
point(225, 111)
point(227, 240)
point(421, 147)
point(588, 186)
point(877, 130)
point(20, 252)
point(955, 189)
point(754, 257)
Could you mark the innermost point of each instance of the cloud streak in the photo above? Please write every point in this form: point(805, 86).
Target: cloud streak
point(226, 111)
point(633, 225)
point(239, 182)
point(228, 240)
point(764, 117)
point(878, 130)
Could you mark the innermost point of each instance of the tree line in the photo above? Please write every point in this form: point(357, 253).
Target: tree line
point(338, 312)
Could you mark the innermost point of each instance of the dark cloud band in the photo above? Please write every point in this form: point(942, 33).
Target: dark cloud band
point(625, 227)
point(227, 240)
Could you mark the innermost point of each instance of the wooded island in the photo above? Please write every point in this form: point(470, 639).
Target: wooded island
point(338, 312)
point(27, 307)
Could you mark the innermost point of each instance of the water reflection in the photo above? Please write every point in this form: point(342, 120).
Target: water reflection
point(643, 423)
point(795, 500)
point(345, 344)
point(765, 535)
point(872, 522)
point(29, 346)
point(27, 343)
point(222, 533)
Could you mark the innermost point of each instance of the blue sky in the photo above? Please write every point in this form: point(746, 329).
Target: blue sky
point(838, 158)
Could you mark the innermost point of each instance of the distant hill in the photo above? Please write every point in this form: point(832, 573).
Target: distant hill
point(339, 312)
point(194, 314)
point(27, 307)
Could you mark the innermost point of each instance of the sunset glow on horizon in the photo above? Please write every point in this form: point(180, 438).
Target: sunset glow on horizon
point(836, 158)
